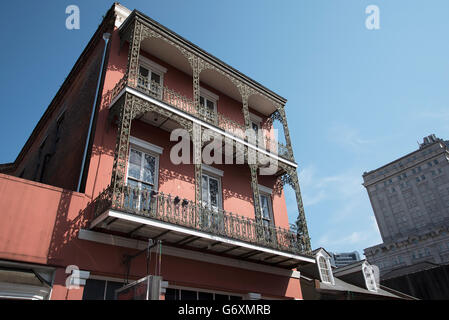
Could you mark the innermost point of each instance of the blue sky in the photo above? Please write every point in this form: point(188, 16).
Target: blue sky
point(357, 98)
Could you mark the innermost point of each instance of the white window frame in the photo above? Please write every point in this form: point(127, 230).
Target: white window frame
point(152, 67)
point(258, 121)
point(150, 149)
point(212, 97)
point(267, 192)
point(212, 170)
point(211, 174)
point(326, 258)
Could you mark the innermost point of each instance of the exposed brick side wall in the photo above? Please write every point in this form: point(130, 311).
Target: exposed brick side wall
point(58, 161)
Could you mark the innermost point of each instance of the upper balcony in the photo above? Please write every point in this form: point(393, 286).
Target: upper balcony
point(246, 104)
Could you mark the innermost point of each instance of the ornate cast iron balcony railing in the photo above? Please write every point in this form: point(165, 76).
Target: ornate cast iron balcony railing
point(174, 210)
point(278, 148)
point(173, 98)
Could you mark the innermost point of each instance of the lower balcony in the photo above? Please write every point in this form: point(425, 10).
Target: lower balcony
point(145, 214)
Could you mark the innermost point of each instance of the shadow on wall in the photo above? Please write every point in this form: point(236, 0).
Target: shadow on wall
point(166, 175)
point(65, 230)
point(227, 194)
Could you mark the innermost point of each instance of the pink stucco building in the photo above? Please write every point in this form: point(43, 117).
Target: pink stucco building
point(97, 182)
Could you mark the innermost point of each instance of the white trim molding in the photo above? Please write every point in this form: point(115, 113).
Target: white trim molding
point(153, 66)
point(212, 170)
point(146, 145)
point(265, 189)
point(255, 118)
point(121, 13)
point(208, 94)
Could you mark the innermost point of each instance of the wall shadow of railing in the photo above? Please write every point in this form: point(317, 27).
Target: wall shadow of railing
point(66, 229)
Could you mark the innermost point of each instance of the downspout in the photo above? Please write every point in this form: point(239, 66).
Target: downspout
point(106, 37)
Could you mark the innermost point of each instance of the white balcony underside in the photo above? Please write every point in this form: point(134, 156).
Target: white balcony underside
point(179, 236)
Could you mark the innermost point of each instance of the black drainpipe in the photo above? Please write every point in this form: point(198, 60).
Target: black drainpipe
point(106, 37)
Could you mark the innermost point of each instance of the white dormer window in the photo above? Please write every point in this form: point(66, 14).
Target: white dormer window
point(370, 278)
point(151, 76)
point(324, 267)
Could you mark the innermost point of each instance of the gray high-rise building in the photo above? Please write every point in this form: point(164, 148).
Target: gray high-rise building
point(344, 258)
point(410, 200)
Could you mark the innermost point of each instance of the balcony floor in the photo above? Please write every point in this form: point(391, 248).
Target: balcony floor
point(147, 228)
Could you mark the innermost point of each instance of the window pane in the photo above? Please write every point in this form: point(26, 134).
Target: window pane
point(210, 106)
point(134, 171)
point(205, 296)
point(143, 72)
point(255, 127)
point(202, 101)
point(205, 189)
point(156, 78)
point(135, 158)
point(264, 206)
point(171, 294)
point(324, 269)
point(221, 297)
point(94, 290)
point(213, 186)
point(188, 295)
point(110, 289)
point(143, 77)
point(148, 172)
point(133, 183)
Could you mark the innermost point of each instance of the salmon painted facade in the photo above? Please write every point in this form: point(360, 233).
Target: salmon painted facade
point(115, 181)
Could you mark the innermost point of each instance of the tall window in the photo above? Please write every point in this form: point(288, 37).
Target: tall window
point(150, 80)
point(266, 208)
point(151, 76)
point(209, 102)
point(142, 174)
point(211, 193)
point(256, 126)
point(325, 269)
